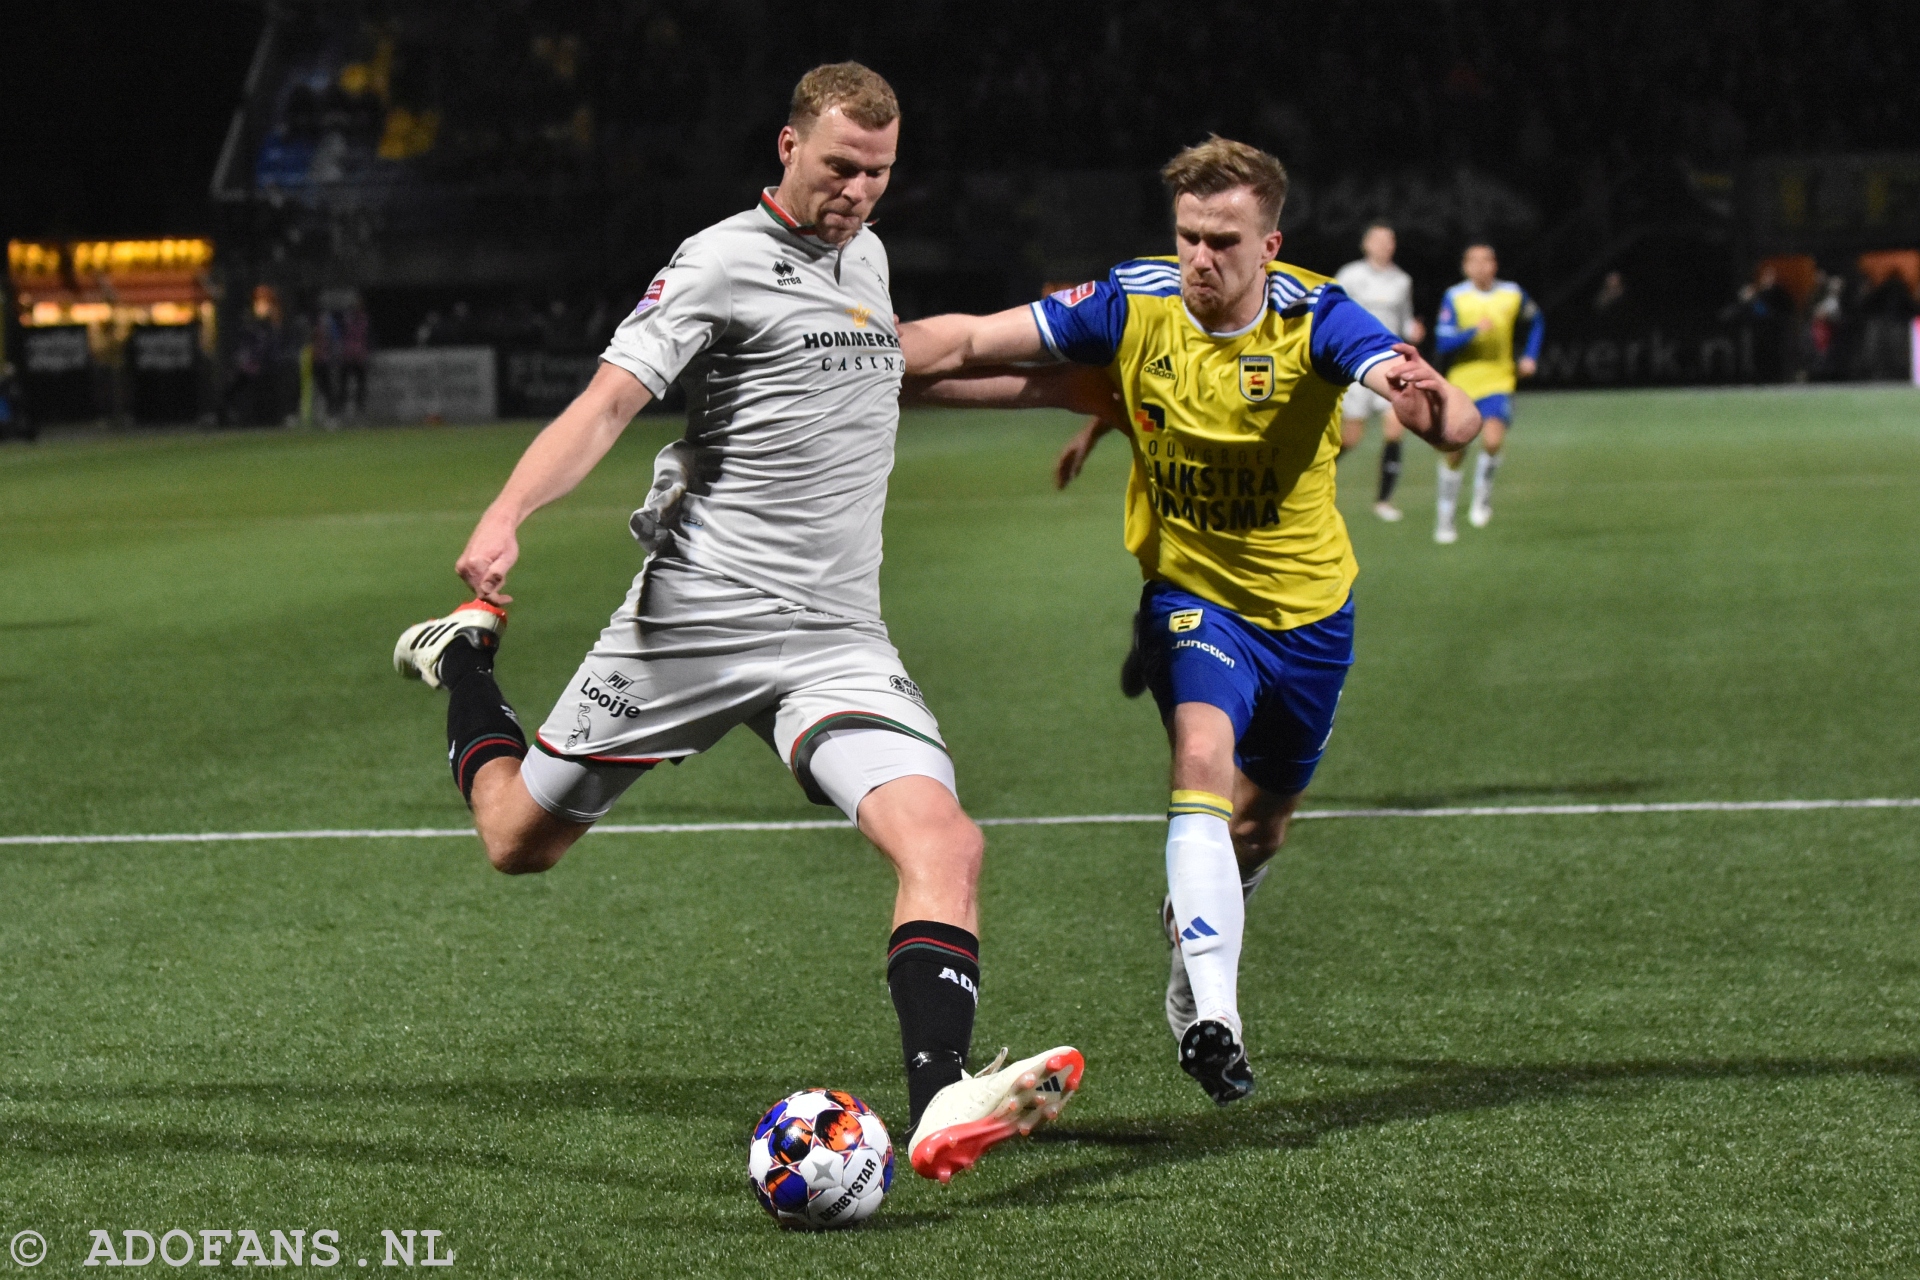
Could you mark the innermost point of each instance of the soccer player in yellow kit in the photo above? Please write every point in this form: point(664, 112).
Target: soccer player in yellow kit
point(1479, 320)
point(1230, 368)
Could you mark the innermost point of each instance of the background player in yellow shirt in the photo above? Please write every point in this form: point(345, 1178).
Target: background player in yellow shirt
point(1479, 320)
point(1229, 369)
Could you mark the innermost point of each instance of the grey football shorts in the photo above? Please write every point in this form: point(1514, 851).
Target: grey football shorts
point(690, 655)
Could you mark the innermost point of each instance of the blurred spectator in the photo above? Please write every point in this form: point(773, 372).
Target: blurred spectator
point(1824, 325)
point(13, 415)
point(326, 361)
point(356, 345)
point(1612, 308)
point(1764, 308)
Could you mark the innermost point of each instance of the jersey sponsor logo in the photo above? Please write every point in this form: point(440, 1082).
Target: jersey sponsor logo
point(1150, 418)
point(1161, 366)
point(1075, 296)
point(843, 338)
point(651, 298)
point(907, 688)
point(1256, 378)
point(1184, 619)
point(860, 316)
point(784, 273)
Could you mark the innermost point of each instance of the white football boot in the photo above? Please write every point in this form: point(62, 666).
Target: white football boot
point(1388, 512)
point(1480, 514)
point(1444, 533)
point(977, 1113)
point(417, 655)
point(1182, 1011)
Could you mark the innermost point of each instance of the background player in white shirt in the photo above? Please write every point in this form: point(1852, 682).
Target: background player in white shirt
point(759, 601)
point(1384, 289)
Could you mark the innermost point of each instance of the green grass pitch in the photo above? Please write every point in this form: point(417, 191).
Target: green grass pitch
point(1666, 1045)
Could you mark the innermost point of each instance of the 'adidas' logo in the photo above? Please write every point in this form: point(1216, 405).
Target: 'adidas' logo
point(1199, 929)
point(1050, 1085)
point(1161, 366)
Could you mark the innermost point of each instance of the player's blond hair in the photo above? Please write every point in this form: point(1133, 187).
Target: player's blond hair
point(861, 93)
point(1221, 164)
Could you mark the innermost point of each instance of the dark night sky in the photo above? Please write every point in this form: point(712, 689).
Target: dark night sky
point(116, 114)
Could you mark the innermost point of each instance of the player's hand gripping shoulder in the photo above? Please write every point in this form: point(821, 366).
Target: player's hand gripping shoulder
point(558, 459)
point(1426, 403)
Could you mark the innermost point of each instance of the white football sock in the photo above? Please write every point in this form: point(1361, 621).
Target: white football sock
point(1208, 909)
point(1447, 491)
point(1483, 477)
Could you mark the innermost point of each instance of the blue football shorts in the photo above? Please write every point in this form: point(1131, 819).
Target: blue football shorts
point(1500, 406)
point(1279, 688)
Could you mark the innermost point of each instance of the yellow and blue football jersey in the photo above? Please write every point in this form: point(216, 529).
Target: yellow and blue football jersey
point(1234, 434)
point(1477, 329)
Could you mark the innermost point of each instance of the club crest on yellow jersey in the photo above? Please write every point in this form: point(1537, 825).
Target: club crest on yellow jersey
point(1256, 378)
point(1184, 619)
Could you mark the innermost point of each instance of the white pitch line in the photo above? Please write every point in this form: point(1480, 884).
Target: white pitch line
point(1074, 820)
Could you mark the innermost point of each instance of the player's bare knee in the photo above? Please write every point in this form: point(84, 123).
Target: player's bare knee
point(967, 847)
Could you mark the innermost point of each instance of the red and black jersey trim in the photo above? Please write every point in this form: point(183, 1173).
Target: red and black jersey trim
point(771, 207)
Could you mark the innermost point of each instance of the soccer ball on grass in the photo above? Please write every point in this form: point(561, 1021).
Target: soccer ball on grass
point(820, 1159)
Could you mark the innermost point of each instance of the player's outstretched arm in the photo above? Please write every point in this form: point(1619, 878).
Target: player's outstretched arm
point(558, 459)
point(1078, 388)
point(1426, 403)
point(946, 344)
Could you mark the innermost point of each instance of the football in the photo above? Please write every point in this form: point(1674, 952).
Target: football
point(820, 1159)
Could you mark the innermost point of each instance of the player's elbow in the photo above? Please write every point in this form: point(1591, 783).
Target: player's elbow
point(1463, 423)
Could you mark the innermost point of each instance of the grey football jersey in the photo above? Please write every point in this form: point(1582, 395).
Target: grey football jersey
point(1387, 294)
point(791, 363)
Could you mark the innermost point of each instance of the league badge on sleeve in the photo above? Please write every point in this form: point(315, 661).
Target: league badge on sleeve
point(651, 299)
point(1256, 378)
point(1075, 296)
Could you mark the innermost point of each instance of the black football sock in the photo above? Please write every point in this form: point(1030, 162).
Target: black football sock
point(1389, 470)
point(480, 724)
point(933, 971)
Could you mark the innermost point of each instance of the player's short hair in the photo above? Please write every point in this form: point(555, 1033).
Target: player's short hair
point(1378, 224)
point(861, 93)
point(1221, 164)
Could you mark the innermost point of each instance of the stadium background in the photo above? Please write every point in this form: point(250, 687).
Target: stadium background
point(1695, 192)
point(1591, 1031)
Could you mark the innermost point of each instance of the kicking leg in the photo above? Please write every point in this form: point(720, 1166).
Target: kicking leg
point(933, 956)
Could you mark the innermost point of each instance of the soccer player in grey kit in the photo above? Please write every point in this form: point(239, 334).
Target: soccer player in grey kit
point(758, 603)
